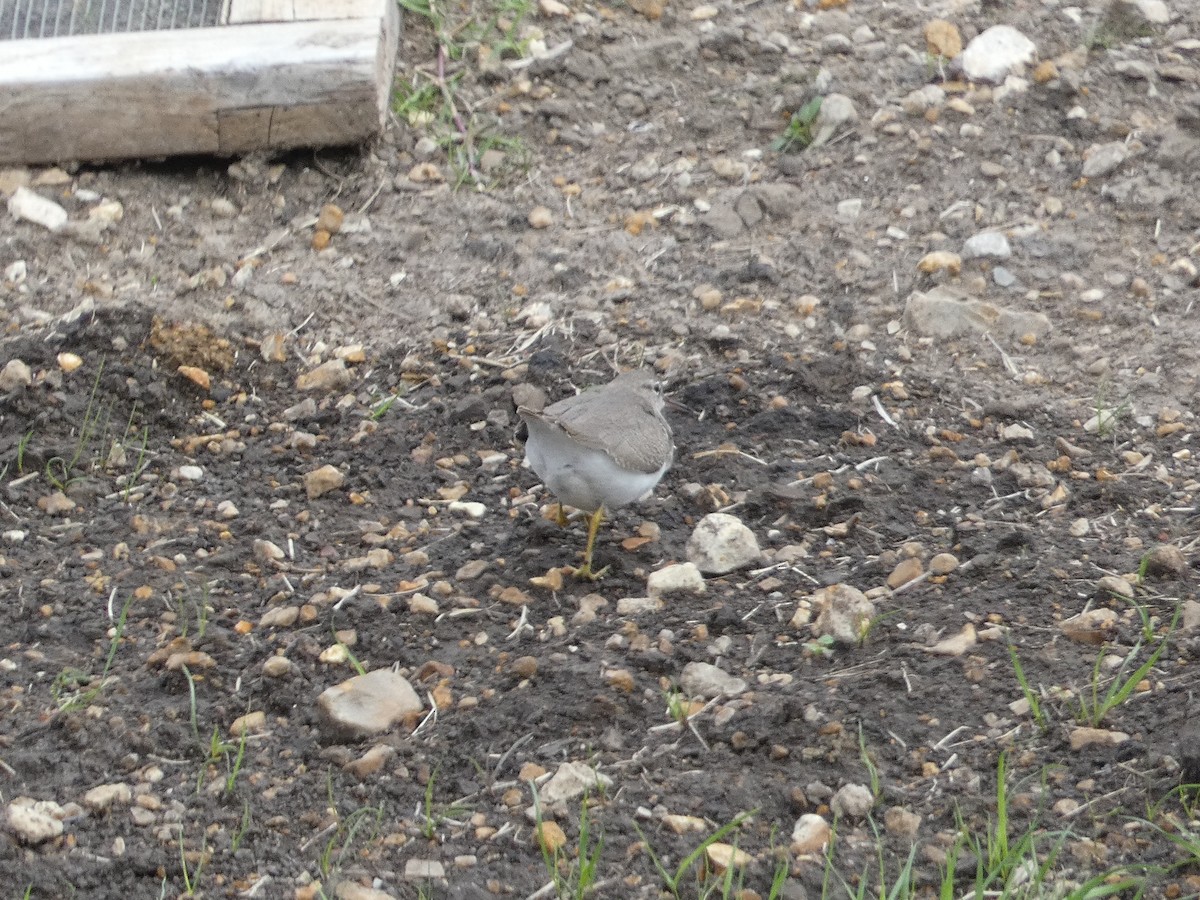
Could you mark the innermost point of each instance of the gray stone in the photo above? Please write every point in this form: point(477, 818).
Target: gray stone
point(848, 211)
point(1003, 277)
point(852, 801)
point(837, 112)
point(1166, 561)
point(779, 199)
point(1189, 619)
point(15, 374)
point(1114, 585)
point(681, 578)
point(701, 679)
point(722, 219)
point(721, 544)
point(944, 312)
point(917, 102)
point(1156, 12)
point(748, 209)
point(1132, 13)
point(305, 409)
point(844, 614)
point(992, 244)
point(571, 780)
point(1100, 159)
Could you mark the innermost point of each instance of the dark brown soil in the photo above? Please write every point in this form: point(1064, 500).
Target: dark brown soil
point(456, 300)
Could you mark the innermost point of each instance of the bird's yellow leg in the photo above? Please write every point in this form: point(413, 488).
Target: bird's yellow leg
point(561, 518)
point(585, 571)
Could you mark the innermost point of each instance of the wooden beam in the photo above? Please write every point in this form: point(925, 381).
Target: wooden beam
point(241, 11)
point(226, 90)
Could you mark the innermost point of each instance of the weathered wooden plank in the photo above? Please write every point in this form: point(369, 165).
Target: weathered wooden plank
point(241, 11)
point(224, 90)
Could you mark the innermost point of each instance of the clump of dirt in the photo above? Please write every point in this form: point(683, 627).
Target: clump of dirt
point(191, 344)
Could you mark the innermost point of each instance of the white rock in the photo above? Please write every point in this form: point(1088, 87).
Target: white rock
point(335, 655)
point(106, 213)
point(1102, 420)
point(1012, 86)
point(423, 870)
point(105, 796)
point(837, 110)
point(721, 544)
point(33, 207)
point(1100, 159)
point(681, 578)
point(191, 473)
point(991, 244)
point(849, 210)
point(956, 644)
point(1152, 12)
point(468, 508)
point(993, 54)
point(701, 679)
point(34, 821)
point(852, 800)
point(570, 780)
point(844, 613)
point(636, 606)
point(223, 207)
point(15, 374)
point(367, 704)
point(810, 834)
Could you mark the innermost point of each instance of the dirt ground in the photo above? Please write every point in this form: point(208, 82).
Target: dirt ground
point(166, 567)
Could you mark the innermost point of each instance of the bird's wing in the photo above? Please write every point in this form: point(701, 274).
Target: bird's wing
point(608, 429)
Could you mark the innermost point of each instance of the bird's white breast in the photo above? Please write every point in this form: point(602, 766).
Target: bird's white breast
point(580, 476)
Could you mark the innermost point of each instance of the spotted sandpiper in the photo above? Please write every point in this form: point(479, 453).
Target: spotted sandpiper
point(601, 449)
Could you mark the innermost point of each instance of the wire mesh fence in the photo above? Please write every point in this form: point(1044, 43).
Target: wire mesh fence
point(23, 19)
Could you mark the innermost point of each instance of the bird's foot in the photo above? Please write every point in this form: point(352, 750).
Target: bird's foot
point(586, 573)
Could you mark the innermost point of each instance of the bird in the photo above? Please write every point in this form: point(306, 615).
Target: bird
point(601, 449)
